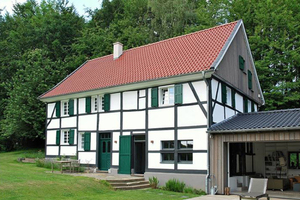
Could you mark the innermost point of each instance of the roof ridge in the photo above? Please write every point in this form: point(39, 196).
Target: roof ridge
point(172, 38)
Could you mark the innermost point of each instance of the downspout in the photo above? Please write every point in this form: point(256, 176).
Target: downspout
point(208, 84)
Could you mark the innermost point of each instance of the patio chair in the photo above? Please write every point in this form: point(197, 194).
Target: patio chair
point(257, 189)
point(75, 164)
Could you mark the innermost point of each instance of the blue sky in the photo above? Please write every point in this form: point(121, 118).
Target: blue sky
point(80, 5)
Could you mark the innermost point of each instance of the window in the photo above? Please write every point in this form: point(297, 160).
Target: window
point(241, 63)
point(167, 157)
point(249, 80)
point(185, 144)
point(94, 103)
point(224, 93)
point(81, 141)
point(233, 98)
point(65, 107)
point(65, 136)
point(245, 105)
point(167, 95)
point(294, 160)
point(167, 144)
point(185, 157)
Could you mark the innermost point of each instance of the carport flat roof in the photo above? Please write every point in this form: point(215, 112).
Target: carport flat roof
point(259, 121)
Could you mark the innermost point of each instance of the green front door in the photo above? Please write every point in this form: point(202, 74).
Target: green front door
point(104, 151)
point(125, 155)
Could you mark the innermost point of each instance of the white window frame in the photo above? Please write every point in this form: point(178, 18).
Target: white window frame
point(95, 103)
point(81, 141)
point(65, 135)
point(65, 104)
point(228, 96)
point(166, 98)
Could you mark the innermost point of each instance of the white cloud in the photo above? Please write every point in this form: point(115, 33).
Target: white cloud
point(7, 5)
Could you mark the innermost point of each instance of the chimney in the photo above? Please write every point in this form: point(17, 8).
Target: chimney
point(118, 50)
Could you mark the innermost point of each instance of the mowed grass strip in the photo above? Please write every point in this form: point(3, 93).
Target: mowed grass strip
point(26, 181)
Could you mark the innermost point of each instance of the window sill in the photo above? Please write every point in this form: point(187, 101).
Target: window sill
point(167, 162)
point(185, 162)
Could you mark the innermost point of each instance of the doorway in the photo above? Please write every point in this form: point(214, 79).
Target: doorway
point(139, 154)
point(104, 151)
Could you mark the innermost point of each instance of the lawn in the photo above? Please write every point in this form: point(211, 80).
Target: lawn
point(26, 181)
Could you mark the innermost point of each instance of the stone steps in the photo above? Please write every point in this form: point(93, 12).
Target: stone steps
point(129, 184)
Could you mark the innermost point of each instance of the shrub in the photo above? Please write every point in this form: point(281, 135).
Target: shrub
point(45, 163)
point(33, 154)
point(175, 185)
point(153, 182)
point(199, 192)
point(189, 190)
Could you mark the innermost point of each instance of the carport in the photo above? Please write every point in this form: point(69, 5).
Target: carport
point(259, 144)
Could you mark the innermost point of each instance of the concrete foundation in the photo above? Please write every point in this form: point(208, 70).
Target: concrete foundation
point(192, 180)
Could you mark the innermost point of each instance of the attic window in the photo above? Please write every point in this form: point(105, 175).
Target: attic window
point(241, 63)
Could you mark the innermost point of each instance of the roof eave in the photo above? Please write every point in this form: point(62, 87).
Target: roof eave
point(255, 130)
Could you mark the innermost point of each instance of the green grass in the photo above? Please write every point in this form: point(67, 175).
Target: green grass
point(26, 181)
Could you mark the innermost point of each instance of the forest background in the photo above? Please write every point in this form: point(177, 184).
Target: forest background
point(41, 43)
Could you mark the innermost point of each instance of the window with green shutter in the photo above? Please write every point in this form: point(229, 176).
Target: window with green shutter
point(57, 108)
point(241, 63)
point(87, 141)
point(154, 97)
point(249, 79)
point(178, 94)
point(71, 137)
point(88, 103)
point(224, 93)
point(245, 105)
point(71, 107)
point(57, 137)
point(106, 102)
point(233, 98)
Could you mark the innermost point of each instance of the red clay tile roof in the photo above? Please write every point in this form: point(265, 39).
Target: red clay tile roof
point(185, 54)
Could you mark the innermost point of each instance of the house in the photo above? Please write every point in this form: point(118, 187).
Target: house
point(146, 110)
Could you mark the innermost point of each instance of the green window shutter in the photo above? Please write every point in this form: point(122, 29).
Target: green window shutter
point(245, 105)
point(241, 63)
point(71, 137)
point(87, 141)
point(252, 106)
point(106, 102)
point(224, 93)
point(249, 79)
point(71, 107)
point(233, 98)
point(178, 94)
point(88, 102)
point(57, 108)
point(57, 137)
point(154, 97)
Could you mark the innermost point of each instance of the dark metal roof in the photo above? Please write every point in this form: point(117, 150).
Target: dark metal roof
point(259, 121)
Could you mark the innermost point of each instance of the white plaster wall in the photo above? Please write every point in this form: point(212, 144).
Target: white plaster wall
point(81, 105)
point(52, 150)
point(109, 121)
point(68, 122)
point(138, 132)
point(161, 118)
point(142, 103)
point(199, 162)
point(199, 137)
point(87, 157)
point(115, 158)
point(50, 108)
point(115, 137)
point(142, 93)
point(68, 150)
point(51, 137)
point(126, 133)
point(87, 122)
point(191, 116)
point(154, 161)
point(188, 96)
point(53, 124)
point(157, 137)
point(214, 86)
point(239, 102)
point(200, 87)
point(93, 141)
point(134, 120)
point(229, 112)
point(130, 100)
point(115, 101)
point(218, 114)
point(75, 106)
